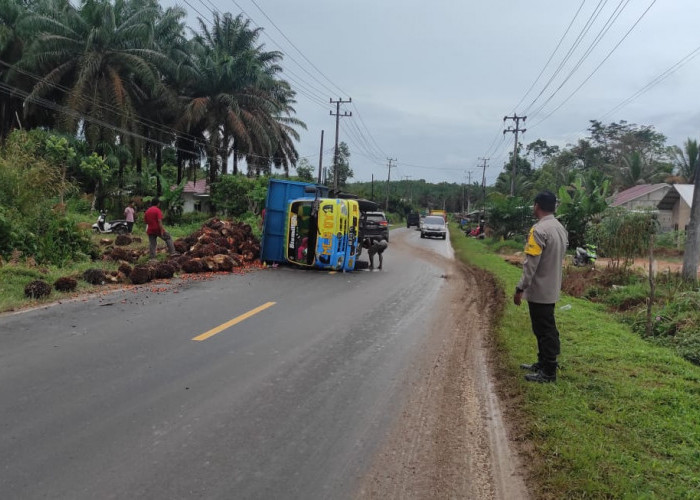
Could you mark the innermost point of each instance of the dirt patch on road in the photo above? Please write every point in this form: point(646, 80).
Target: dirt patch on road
point(451, 440)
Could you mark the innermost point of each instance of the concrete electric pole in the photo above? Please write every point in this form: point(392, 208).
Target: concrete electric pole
point(388, 179)
point(320, 159)
point(515, 130)
point(483, 187)
point(337, 125)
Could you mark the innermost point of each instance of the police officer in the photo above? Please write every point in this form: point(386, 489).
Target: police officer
point(540, 285)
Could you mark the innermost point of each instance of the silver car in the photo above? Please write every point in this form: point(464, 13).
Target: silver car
point(433, 225)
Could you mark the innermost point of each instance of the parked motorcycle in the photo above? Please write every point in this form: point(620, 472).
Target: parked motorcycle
point(114, 226)
point(585, 256)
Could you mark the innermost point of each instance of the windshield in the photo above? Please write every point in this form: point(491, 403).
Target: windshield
point(435, 220)
point(376, 217)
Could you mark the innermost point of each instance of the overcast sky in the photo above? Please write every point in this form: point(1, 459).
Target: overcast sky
point(431, 81)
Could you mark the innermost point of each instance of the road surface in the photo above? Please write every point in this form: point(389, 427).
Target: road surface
point(277, 384)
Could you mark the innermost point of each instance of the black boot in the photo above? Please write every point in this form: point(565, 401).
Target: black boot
point(547, 372)
point(541, 377)
point(534, 367)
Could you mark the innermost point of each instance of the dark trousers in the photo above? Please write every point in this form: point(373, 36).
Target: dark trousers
point(545, 329)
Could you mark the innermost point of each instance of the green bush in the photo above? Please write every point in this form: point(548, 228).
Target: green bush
point(623, 235)
point(234, 195)
point(509, 216)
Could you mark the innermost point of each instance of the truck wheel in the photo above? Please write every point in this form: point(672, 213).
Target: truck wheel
point(422, 235)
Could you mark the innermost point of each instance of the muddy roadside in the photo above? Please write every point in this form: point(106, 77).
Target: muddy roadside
point(454, 438)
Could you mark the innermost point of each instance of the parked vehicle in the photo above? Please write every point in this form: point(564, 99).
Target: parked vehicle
point(585, 256)
point(114, 226)
point(413, 219)
point(434, 225)
point(374, 225)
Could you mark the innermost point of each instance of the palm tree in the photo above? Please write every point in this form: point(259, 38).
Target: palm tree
point(11, 48)
point(99, 61)
point(238, 103)
point(686, 159)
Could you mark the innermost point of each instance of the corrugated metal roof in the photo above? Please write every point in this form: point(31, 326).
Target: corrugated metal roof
point(677, 191)
point(635, 192)
point(197, 187)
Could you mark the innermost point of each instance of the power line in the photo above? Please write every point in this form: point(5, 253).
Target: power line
point(596, 12)
point(606, 27)
point(595, 70)
point(297, 49)
point(551, 56)
point(655, 81)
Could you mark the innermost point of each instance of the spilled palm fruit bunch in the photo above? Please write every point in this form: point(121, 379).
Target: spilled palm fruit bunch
point(125, 269)
point(119, 253)
point(140, 275)
point(37, 289)
point(163, 271)
point(122, 240)
point(95, 276)
point(65, 284)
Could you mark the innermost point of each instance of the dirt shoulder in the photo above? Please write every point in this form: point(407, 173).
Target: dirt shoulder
point(452, 440)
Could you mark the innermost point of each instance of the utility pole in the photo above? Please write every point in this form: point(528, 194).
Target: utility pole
point(515, 130)
point(320, 159)
point(372, 196)
point(388, 179)
point(337, 126)
point(483, 187)
point(408, 187)
point(469, 175)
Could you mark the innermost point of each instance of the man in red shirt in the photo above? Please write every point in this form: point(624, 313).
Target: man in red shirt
point(154, 228)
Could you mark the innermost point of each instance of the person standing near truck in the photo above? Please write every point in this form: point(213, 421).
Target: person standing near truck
point(375, 246)
point(540, 285)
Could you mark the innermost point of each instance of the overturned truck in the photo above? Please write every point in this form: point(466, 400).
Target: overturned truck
point(303, 226)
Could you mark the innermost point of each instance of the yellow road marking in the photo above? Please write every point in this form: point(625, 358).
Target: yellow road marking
point(234, 321)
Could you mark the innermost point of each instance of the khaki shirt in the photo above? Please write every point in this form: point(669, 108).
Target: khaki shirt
point(544, 253)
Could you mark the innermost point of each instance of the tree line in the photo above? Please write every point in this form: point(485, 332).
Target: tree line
point(129, 78)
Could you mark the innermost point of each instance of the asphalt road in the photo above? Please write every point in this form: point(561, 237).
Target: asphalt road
point(112, 398)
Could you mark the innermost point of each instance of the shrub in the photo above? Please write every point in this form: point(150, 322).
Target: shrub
point(623, 235)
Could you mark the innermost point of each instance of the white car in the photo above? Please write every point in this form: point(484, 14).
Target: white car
point(433, 225)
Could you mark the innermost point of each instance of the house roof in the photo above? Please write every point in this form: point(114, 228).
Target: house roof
point(677, 192)
point(197, 187)
point(635, 192)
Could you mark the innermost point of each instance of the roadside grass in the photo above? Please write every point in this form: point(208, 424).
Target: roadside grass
point(15, 276)
point(622, 419)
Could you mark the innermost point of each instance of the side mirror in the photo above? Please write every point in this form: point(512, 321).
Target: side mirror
point(310, 189)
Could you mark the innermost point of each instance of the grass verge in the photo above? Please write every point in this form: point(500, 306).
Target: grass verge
point(622, 419)
point(15, 276)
